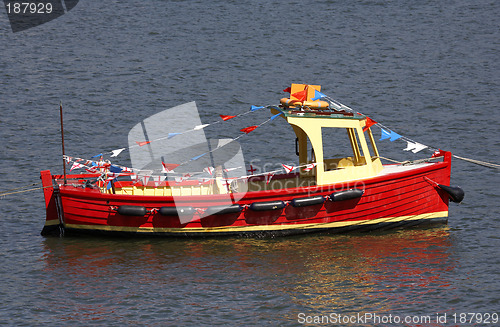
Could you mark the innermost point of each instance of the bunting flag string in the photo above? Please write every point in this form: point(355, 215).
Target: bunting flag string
point(245, 131)
point(117, 152)
point(146, 176)
point(386, 133)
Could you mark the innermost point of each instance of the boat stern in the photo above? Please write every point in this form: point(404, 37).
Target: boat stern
point(51, 195)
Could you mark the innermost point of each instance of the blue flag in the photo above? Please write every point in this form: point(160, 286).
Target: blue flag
point(198, 157)
point(170, 135)
point(385, 134)
point(255, 108)
point(318, 95)
point(97, 155)
point(115, 169)
point(394, 136)
point(276, 116)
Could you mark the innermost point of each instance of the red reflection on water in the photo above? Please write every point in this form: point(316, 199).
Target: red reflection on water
point(321, 273)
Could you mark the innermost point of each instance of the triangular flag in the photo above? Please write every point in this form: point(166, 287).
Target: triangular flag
point(117, 152)
point(209, 170)
point(198, 157)
point(97, 155)
point(418, 147)
point(414, 147)
point(248, 129)
point(394, 136)
point(200, 127)
point(301, 96)
point(168, 167)
point(276, 116)
point(310, 166)
point(143, 143)
point(226, 117)
point(318, 95)
point(409, 146)
point(254, 108)
point(170, 135)
point(288, 168)
point(76, 165)
point(385, 134)
point(369, 123)
point(288, 89)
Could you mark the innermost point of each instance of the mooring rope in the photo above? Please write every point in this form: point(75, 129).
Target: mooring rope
point(14, 190)
point(478, 162)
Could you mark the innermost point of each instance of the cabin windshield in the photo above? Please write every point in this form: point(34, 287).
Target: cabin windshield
point(340, 151)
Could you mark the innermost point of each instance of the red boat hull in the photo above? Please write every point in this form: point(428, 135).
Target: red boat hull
point(403, 198)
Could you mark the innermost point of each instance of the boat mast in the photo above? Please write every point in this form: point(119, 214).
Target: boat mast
point(62, 141)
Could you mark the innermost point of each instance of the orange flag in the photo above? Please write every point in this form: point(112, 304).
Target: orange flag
point(301, 96)
point(143, 143)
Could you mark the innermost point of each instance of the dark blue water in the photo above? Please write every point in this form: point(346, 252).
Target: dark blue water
point(427, 69)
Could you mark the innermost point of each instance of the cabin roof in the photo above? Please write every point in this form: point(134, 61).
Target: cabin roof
point(330, 114)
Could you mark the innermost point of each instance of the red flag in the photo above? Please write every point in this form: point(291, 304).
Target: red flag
point(369, 122)
point(168, 167)
point(248, 129)
point(301, 96)
point(226, 117)
point(288, 89)
point(143, 143)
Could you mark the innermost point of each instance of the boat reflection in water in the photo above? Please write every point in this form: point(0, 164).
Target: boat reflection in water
point(110, 279)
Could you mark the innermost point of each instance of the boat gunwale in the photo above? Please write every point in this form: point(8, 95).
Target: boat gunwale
point(70, 190)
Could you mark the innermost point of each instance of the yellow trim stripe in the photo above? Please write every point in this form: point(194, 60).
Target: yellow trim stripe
point(52, 222)
point(267, 228)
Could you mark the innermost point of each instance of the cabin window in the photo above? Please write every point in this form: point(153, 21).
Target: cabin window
point(370, 142)
point(341, 148)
